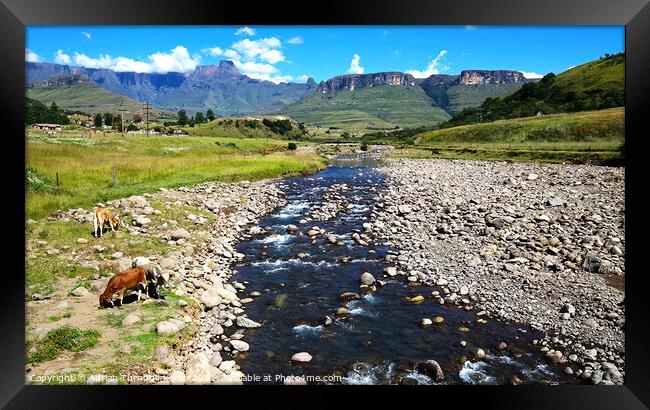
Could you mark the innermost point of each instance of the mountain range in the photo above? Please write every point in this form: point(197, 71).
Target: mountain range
point(378, 100)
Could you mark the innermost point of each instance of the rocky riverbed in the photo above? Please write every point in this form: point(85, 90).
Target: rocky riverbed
point(530, 243)
point(427, 248)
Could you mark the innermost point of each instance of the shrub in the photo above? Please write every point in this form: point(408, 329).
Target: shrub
point(364, 147)
point(292, 146)
point(38, 182)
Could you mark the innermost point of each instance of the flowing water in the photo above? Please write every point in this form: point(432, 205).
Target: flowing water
point(381, 340)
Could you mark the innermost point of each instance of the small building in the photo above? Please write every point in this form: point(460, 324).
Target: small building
point(48, 127)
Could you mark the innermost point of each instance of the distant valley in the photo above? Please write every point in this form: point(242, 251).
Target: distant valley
point(384, 100)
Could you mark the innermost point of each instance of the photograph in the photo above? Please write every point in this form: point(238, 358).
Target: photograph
point(260, 204)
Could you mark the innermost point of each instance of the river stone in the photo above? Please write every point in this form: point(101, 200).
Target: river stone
point(130, 319)
point(239, 345)
point(438, 319)
point(168, 263)
point(591, 263)
point(390, 271)
point(180, 233)
point(247, 323)
point(347, 296)
point(162, 352)
point(292, 229)
point(226, 294)
point(210, 300)
point(216, 359)
point(367, 279)
point(417, 299)
point(197, 369)
point(141, 262)
point(301, 357)
point(432, 369)
point(177, 377)
point(426, 322)
point(166, 328)
point(80, 291)
point(138, 201)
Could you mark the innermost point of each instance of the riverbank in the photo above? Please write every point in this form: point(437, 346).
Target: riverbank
point(530, 243)
point(188, 234)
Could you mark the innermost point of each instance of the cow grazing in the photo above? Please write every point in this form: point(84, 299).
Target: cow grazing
point(102, 217)
point(131, 279)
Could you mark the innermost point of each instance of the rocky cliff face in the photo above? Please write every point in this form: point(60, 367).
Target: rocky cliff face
point(359, 81)
point(490, 77)
point(63, 81)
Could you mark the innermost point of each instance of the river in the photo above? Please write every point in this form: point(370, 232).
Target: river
point(380, 340)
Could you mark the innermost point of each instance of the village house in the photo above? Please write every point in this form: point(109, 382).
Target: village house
point(50, 128)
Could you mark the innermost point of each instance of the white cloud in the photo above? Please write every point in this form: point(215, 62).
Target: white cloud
point(355, 68)
point(245, 30)
point(232, 54)
point(295, 40)
point(530, 74)
point(434, 67)
point(266, 49)
point(87, 35)
point(31, 56)
point(177, 60)
point(61, 58)
point(215, 51)
point(302, 78)
point(261, 71)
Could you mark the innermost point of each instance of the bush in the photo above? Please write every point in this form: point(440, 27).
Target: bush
point(35, 181)
point(292, 146)
point(364, 147)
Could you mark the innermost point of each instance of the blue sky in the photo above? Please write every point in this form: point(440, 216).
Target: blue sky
point(294, 53)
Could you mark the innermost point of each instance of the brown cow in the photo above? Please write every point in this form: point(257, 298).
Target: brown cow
point(130, 279)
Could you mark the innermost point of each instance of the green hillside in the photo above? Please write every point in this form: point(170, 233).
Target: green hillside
point(91, 99)
point(587, 126)
point(456, 98)
point(381, 107)
point(595, 85)
point(250, 127)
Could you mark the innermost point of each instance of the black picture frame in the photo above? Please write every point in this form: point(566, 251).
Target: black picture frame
point(633, 14)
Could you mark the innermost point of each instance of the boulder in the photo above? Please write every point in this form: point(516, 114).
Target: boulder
point(197, 369)
point(302, 357)
point(432, 369)
point(367, 279)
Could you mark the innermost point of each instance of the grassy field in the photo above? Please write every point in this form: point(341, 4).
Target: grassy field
point(86, 166)
point(590, 136)
point(378, 107)
point(92, 99)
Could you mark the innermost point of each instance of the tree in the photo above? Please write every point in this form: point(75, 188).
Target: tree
point(182, 118)
point(292, 146)
point(137, 117)
point(98, 121)
point(132, 127)
point(108, 119)
point(199, 118)
point(209, 115)
point(117, 123)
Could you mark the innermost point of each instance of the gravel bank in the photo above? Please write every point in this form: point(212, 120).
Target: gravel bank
point(533, 243)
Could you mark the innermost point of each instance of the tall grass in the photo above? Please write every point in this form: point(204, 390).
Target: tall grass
point(141, 164)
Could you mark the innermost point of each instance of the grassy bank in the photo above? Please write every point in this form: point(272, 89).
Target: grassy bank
point(86, 166)
point(584, 137)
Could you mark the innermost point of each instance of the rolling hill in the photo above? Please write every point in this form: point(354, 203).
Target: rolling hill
point(594, 85)
point(78, 93)
point(381, 107)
